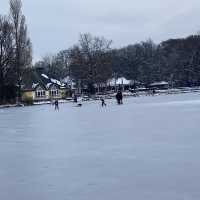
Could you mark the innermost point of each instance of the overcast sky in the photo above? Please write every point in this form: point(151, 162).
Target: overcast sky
point(56, 24)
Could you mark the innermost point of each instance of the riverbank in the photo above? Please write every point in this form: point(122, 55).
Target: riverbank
point(11, 106)
point(126, 94)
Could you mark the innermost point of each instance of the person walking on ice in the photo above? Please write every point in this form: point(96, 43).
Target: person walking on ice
point(75, 99)
point(103, 102)
point(56, 105)
point(119, 97)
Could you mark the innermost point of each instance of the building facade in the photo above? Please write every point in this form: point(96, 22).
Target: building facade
point(42, 88)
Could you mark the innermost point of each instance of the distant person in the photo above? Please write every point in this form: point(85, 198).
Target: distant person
point(119, 97)
point(56, 105)
point(103, 102)
point(153, 92)
point(78, 102)
point(75, 99)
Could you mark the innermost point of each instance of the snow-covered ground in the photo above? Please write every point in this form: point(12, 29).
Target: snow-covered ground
point(147, 148)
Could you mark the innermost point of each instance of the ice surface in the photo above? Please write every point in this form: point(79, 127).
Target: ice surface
point(147, 148)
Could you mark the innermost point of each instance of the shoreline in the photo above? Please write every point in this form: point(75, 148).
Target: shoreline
point(110, 97)
point(10, 106)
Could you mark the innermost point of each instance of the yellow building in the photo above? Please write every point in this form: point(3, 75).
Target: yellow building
point(42, 88)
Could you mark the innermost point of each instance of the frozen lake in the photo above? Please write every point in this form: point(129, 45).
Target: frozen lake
point(147, 148)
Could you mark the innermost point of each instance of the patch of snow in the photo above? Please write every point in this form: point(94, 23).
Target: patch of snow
point(50, 102)
point(48, 85)
point(35, 85)
point(67, 80)
point(45, 76)
point(56, 81)
point(119, 81)
point(162, 83)
point(41, 103)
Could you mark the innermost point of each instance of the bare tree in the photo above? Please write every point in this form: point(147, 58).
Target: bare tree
point(90, 60)
point(23, 47)
point(93, 49)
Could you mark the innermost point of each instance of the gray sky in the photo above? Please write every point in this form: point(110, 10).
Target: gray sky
point(56, 24)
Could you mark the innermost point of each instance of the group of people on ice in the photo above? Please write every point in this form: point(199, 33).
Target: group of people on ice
point(119, 98)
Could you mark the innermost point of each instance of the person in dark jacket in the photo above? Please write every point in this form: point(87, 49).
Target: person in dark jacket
point(119, 97)
point(56, 105)
point(75, 99)
point(103, 102)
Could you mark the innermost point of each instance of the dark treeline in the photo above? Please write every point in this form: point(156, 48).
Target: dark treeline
point(15, 52)
point(93, 61)
point(176, 61)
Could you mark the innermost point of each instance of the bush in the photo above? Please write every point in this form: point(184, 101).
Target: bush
point(28, 101)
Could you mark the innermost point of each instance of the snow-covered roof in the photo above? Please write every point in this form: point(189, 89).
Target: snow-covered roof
point(35, 85)
point(119, 81)
point(52, 81)
point(56, 81)
point(41, 79)
point(45, 76)
point(67, 79)
point(161, 83)
point(48, 85)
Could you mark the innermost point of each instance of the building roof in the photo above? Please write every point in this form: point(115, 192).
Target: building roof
point(119, 81)
point(32, 78)
point(69, 81)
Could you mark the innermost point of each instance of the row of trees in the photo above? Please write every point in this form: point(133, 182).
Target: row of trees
point(176, 61)
point(93, 61)
point(88, 62)
point(15, 51)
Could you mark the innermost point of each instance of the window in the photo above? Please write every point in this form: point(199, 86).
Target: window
point(40, 93)
point(54, 92)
